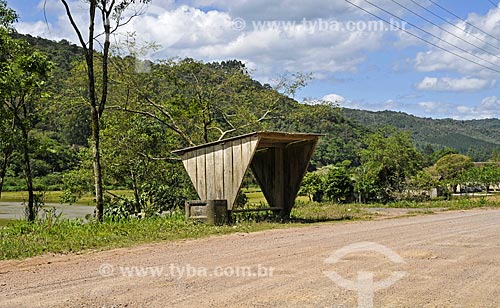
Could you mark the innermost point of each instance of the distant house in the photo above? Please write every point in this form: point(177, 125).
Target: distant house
point(480, 164)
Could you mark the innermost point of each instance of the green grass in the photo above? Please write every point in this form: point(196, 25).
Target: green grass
point(255, 196)
point(6, 222)
point(318, 212)
point(23, 239)
point(456, 203)
point(20, 239)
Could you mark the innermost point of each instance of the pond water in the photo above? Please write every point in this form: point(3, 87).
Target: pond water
point(15, 210)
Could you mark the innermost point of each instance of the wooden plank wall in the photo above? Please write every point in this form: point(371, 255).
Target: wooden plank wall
point(263, 167)
point(297, 159)
point(217, 171)
point(279, 172)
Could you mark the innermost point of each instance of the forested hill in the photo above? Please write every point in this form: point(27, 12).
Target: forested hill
point(62, 53)
point(345, 130)
point(476, 138)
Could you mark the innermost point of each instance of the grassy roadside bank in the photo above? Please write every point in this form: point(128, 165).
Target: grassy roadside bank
point(463, 202)
point(21, 239)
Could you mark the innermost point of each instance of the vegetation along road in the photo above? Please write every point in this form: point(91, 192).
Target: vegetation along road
point(449, 259)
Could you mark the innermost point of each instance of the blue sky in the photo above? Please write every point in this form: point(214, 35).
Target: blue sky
point(376, 69)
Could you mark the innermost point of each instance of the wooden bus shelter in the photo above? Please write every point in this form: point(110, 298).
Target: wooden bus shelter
point(278, 161)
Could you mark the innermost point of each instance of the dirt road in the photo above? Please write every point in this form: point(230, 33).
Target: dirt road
point(444, 260)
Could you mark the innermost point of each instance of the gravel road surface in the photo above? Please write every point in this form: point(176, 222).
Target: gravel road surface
point(450, 259)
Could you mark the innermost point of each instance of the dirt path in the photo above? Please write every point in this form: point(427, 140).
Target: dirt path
point(450, 260)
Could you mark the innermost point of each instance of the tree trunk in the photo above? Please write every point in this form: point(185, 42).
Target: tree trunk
point(136, 193)
point(29, 176)
point(97, 164)
point(5, 164)
point(97, 107)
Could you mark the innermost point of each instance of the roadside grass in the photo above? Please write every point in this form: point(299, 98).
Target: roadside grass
point(463, 202)
point(20, 239)
point(255, 196)
point(6, 222)
point(309, 212)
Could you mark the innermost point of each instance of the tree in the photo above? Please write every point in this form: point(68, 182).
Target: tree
point(342, 139)
point(313, 186)
point(23, 75)
point(366, 184)
point(450, 166)
point(441, 153)
point(422, 181)
point(7, 141)
point(338, 183)
point(478, 153)
point(427, 152)
point(203, 102)
point(388, 161)
point(495, 155)
point(132, 150)
point(112, 18)
point(7, 18)
point(486, 176)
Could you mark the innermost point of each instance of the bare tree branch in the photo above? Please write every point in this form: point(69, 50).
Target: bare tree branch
point(181, 133)
point(160, 158)
point(74, 25)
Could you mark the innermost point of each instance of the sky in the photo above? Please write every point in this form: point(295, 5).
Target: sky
point(434, 58)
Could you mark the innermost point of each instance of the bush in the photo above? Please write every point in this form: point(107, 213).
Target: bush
point(50, 182)
point(14, 184)
point(312, 186)
point(338, 185)
point(116, 209)
point(334, 185)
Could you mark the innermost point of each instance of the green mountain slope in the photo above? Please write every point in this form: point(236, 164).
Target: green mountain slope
point(477, 138)
point(344, 131)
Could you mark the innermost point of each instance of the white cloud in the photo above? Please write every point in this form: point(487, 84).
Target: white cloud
point(38, 28)
point(293, 49)
point(491, 103)
point(58, 26)
point(341, 101)
point(434, 109)
point(454, 84)
point(438, 60)
point(293, 9)
point(334, 98)
point(184, 28)
point(488, 108)
point(391, 104)
point(202, 29)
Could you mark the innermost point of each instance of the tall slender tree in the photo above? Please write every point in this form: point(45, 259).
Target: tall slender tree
point(113, 15)
point(23, 74)
point(7, 17)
